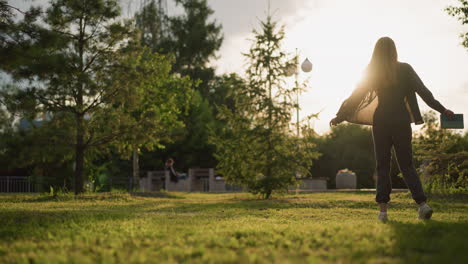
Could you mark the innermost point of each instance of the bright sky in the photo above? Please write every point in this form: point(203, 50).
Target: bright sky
point(338, 37)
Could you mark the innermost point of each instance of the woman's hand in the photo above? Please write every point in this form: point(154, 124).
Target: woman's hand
point(449, 114)
point(335, 121)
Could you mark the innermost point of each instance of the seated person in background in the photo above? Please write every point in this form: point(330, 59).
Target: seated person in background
point(174, 176)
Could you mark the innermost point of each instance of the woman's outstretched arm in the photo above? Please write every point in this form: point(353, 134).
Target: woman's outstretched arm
point(424, 92)
point(349, 105)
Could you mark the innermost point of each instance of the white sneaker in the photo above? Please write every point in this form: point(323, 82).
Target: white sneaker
point(383, 217)
point(425, 212)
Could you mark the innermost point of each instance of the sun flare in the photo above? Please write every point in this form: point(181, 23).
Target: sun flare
point(340, 47)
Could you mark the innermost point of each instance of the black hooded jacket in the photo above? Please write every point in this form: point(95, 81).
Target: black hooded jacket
point(398, 104)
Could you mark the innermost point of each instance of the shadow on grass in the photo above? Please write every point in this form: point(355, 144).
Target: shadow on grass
point(39, 198)
point(450, 197)
point(249, 204)
point(20, 223)
point(156, 195)
point(431, 241)
point(272, 204)
point(109, 196)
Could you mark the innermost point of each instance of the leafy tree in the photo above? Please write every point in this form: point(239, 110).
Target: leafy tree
point(32, 144)
point(257, 148)
point(432, 140)
point(461, 13)
point(193, 39)
point(443, 155)
point(81, 62)
point(36, 146)
point(188, 145)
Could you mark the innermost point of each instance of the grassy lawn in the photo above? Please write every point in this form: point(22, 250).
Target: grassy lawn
point(229, 228)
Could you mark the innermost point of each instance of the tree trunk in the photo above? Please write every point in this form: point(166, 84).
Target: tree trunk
point(136, 170)
point(80, 146)
point(79, 155)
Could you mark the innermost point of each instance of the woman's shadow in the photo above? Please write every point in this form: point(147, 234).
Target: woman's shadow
point(430, 241)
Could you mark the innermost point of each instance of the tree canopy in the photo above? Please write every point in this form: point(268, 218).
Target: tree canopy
point(84, 65)
point(461, 13)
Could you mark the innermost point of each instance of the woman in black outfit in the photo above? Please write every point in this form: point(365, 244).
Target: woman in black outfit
point(386, 99)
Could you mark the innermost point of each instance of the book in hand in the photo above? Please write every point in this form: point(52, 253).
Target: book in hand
point(455, 123)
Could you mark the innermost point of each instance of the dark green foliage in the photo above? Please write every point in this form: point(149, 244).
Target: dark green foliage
point(257, 148)
point(86, 66)
point(222, 90)
point(6, 13)
point(443, 155)
point(150, 22)
point(41, 147)
point(346, 146)
point(188, 147)
point(461, 13)
point(190, 37)
point(193, 40)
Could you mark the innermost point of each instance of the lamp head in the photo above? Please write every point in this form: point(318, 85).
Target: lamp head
point(306, 66)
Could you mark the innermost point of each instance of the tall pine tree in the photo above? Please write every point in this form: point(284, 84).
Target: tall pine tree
point(191, 37)
point(258, 148)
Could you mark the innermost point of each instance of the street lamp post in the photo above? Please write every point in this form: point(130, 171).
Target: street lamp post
point(306, 66)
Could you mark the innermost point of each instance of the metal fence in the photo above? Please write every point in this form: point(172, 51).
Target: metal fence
point(16, 184)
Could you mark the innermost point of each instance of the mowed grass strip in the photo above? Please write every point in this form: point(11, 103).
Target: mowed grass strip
point(229, 228)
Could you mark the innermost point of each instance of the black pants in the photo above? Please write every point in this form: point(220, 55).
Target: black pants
point(399, 136)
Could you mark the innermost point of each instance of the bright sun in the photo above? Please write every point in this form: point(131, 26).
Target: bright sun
point(339, 36)
point(340, 48)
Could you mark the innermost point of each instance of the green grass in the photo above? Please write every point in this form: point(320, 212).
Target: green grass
point(229, 228)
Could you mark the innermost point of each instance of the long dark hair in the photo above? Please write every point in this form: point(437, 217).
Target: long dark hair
point(380, 74)
point(382, 69)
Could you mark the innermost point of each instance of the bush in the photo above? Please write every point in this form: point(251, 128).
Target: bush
point(447, 174)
